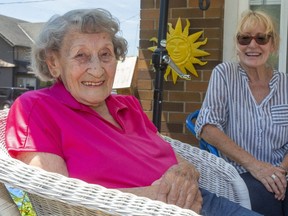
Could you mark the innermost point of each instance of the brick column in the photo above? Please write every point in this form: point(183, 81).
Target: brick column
point(185, 96)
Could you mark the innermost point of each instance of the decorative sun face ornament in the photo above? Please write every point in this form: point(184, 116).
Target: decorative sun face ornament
point(183, 49)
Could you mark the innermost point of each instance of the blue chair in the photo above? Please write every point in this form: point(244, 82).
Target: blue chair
point(202, 143)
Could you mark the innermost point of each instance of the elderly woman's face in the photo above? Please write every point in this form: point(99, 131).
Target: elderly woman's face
point(255, 53)
point(87, 65)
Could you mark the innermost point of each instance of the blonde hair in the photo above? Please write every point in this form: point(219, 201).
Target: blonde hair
point(250, 19)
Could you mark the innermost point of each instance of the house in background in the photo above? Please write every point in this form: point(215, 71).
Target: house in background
point(16, 39)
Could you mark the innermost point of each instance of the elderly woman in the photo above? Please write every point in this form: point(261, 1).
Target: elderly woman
point(79, 129)
point(245, 114)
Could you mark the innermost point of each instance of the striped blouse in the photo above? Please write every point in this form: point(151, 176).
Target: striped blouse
point(261, 129)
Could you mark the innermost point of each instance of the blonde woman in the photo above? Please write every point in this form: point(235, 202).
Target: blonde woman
point(245, 114)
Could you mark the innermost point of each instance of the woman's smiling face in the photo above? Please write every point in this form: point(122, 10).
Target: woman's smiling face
point(87, 66)
point(254, 55)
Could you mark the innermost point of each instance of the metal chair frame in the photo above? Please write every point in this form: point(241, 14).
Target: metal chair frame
point(202, 143)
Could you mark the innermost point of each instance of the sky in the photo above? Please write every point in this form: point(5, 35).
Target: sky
point(127, 12)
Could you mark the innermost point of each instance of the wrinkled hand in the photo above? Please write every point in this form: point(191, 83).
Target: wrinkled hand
point(179, 186)
point(273, 178)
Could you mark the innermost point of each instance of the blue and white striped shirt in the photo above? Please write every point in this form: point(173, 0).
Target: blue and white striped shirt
point(261, 129)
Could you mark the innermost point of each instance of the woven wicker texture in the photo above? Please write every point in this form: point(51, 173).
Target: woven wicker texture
point(216, 175)
point(54, 194)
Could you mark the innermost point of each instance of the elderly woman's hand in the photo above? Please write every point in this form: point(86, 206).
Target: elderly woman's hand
point(273, 178)
point(179, 186)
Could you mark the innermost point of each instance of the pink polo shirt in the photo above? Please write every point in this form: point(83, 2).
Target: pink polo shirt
point(51, 120)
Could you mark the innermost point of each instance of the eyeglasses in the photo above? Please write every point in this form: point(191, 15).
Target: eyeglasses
point(260, 39)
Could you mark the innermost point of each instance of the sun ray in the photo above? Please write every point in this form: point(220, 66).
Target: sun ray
point(194, 37)
point(192, 69)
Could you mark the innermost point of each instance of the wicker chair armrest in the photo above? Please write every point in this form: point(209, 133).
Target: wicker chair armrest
point(58, 195)
point(216, 175)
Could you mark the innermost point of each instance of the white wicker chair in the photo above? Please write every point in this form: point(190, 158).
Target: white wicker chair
point(54, 194)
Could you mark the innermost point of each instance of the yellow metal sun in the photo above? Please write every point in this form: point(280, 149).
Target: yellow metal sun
point(183, 49)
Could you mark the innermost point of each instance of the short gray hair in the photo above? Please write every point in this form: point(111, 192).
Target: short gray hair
point(82, 20)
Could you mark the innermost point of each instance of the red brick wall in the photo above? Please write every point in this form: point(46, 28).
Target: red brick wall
point(185, 96)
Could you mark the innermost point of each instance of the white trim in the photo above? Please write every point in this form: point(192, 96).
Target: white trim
point(283, 49)
point(232, 12)
point(266, 2)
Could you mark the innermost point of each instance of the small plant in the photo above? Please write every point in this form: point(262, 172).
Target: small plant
point(22, 201)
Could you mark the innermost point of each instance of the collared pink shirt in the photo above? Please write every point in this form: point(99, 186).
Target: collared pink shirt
point(50, 120)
